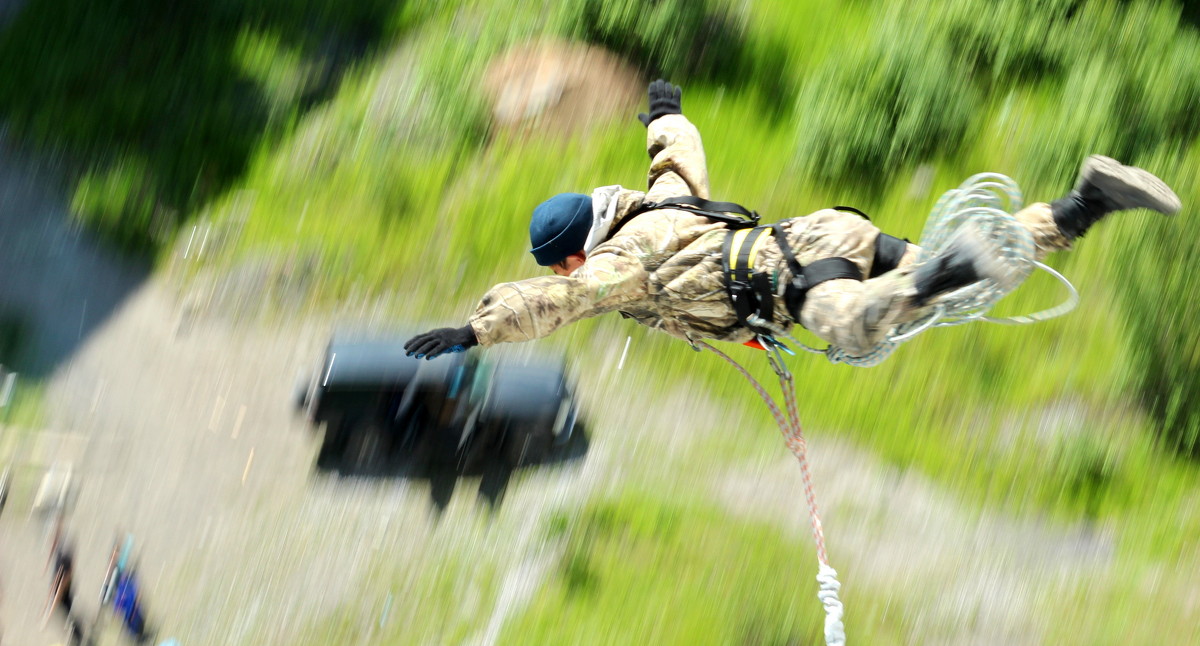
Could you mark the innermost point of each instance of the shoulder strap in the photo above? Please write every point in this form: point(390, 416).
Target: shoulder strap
point(735, 216)
point(805, 278)
point(706, 205)
point(851, 209)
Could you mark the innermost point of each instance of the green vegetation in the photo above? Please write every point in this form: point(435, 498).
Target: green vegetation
point(600, 594)
point(25, 409)
point(24, 406)
point(351, 147)
point(163, 104)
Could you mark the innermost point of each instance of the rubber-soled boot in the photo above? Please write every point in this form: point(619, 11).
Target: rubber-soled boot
point(968, 258)
point(1106, 185)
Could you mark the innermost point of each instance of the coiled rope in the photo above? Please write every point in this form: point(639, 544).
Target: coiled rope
point(987, 201)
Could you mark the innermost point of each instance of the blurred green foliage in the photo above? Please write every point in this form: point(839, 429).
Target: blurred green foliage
point(357, 137)
point(1120, 78)
point(684, 40)
point(600, 593)
point(174, 90)
point(1123, 76)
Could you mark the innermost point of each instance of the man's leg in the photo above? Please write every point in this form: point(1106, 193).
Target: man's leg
point(835, 310)
point(857, 316)
point(1104, 186)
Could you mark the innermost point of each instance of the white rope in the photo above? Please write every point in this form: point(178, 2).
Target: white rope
point(835, 633)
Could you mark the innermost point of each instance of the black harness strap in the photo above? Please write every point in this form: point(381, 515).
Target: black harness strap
point(735, 216)
point(851, 209)
point(818, 272)
point(888, 249)
point(704, 205)
point(805, 278)
point(750, 291)
point(888, 252)
point(766, 300)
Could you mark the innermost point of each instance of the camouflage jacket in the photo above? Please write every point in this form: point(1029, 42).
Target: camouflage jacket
point(662, 267)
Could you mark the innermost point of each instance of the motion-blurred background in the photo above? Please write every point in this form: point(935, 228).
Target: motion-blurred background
point(195, 195)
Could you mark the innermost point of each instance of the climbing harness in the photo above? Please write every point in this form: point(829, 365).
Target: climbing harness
point(789, 425)
point(751, 292)
point(988, 201)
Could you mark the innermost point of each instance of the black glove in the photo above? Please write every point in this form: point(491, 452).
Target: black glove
point(440, 341)
point(664, 99)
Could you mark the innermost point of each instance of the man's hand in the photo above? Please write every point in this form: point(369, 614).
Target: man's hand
point(664, 99)
point(440, 341)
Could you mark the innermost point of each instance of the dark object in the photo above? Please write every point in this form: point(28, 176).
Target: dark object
point(386, 413)
point(954, 268)
point(664, 100)
point(1077, 212)
point(62, 595)
point(889, 250)
point(559, 227)
point(440, 341)
point(4, 485)
point(735, 216)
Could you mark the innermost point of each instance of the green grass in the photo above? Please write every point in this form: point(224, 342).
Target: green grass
point(636, 569)
point(160, 107)
point(26, 408)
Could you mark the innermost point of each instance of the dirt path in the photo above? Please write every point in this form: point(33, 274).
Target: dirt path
point(193, 449)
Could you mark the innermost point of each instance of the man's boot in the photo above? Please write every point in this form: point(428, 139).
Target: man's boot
point(1106, 185)
point(968, 258)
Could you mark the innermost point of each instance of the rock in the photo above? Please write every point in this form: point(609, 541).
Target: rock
point(560, 87)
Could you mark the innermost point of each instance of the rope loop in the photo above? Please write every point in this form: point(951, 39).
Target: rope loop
point(987, 200)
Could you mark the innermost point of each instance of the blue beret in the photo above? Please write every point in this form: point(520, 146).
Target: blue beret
point(559, 227)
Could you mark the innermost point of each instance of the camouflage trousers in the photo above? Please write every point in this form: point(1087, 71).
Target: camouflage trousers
point(836, 310)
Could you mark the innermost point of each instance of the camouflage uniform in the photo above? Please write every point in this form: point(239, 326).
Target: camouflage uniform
point(663, 267)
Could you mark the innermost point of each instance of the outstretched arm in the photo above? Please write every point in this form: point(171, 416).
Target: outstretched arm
point(533, 308)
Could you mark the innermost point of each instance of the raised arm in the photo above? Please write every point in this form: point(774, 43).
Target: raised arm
point(678, 166)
